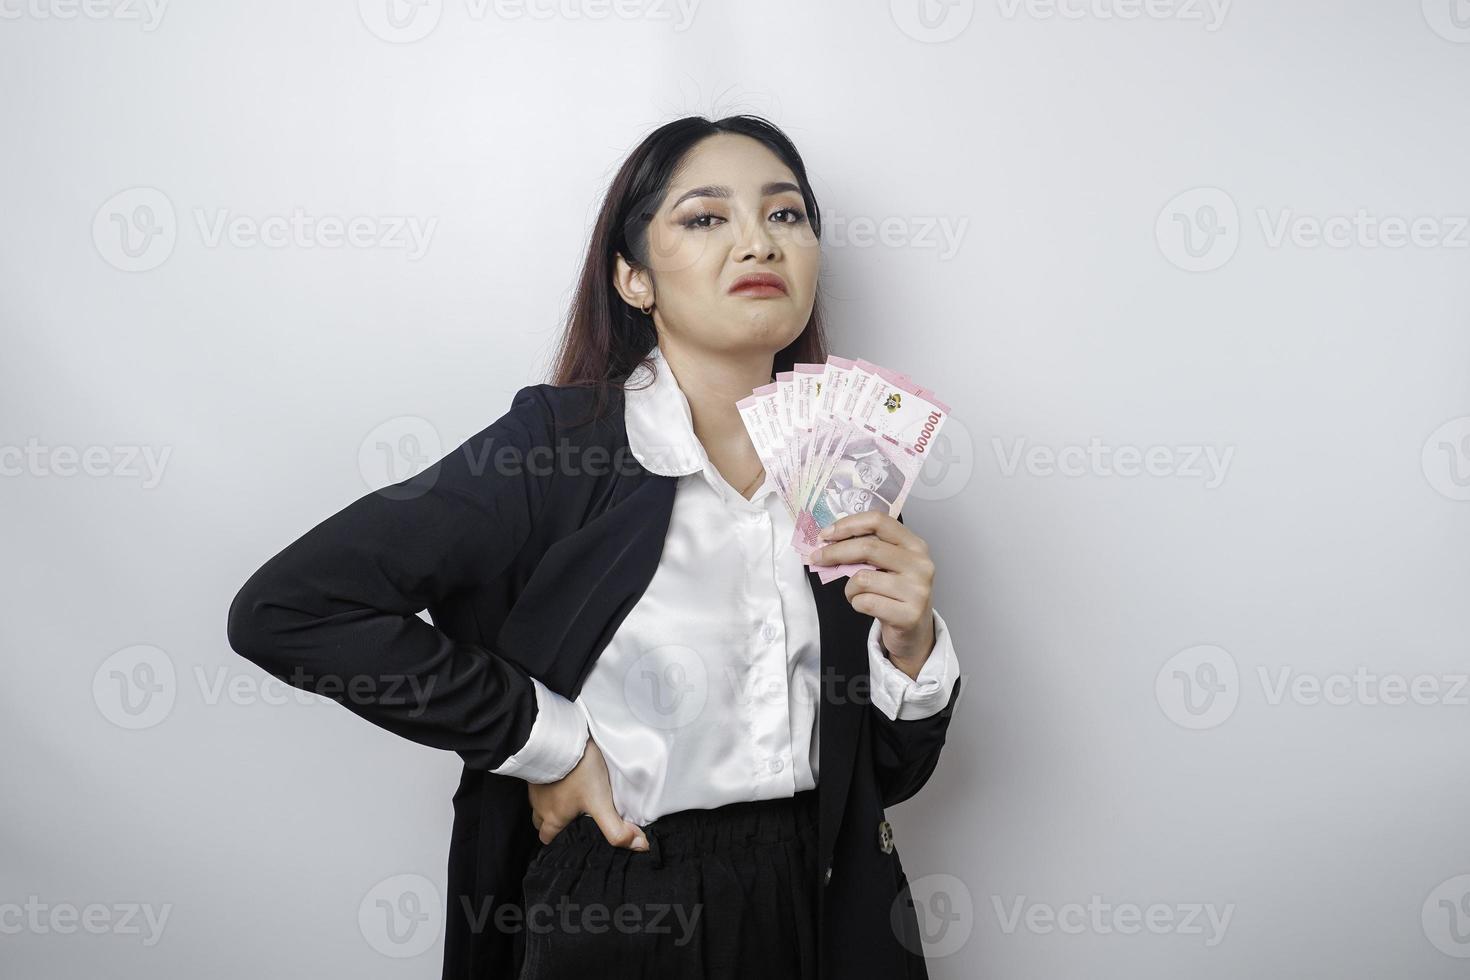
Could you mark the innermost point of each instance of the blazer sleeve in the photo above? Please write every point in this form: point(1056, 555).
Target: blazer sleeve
point(906, 752)
point(336, 611)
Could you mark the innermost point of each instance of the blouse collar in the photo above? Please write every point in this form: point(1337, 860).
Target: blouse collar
point(661, 431)
point(660, 425)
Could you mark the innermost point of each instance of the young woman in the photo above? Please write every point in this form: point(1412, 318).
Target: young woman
point(678, 743)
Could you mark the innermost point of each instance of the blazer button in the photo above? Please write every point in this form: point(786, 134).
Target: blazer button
point(827, 875)
point(885, 837)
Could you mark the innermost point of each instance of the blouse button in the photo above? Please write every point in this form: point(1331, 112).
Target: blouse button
point(776, 765)
point(768, 632)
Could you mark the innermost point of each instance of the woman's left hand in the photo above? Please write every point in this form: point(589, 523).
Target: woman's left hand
point(898, 593)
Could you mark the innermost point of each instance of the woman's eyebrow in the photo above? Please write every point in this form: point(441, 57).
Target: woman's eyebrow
point(719, 190)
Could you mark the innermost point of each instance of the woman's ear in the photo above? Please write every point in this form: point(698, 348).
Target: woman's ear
point(632, 284)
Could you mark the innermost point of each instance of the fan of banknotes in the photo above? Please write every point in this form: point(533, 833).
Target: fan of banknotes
point(840, 438)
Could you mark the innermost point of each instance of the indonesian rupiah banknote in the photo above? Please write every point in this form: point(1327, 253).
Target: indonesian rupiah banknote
point(840, 438)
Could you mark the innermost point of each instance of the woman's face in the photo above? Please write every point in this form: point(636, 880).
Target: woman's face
point(732, 209)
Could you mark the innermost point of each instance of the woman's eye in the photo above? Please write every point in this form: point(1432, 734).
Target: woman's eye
point(698, 220)
point(704, 218)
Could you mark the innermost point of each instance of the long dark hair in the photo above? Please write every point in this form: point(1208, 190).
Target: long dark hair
point(605, 338)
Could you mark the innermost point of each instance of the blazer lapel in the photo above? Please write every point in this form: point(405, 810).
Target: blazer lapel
point(844, 637)
point(584, 586)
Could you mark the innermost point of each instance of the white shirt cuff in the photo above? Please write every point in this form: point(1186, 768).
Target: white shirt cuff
point(556, 743)
point(903, 698)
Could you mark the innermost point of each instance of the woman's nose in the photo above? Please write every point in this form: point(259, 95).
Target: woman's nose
point(756, 239)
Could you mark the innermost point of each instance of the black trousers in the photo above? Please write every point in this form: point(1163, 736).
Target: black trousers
point(720, 894)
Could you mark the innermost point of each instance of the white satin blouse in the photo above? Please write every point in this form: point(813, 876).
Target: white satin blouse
point(707, 693)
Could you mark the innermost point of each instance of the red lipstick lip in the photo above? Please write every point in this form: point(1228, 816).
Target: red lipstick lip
point(759, 284)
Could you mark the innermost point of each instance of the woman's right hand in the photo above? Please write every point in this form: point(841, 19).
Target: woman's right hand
point(586, 789)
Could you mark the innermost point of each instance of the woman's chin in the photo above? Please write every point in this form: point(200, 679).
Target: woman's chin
point(771, 324)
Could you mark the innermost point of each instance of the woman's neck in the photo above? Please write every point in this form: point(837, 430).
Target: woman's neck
point(712, 384)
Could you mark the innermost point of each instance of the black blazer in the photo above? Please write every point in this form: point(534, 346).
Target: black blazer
point(528, 545)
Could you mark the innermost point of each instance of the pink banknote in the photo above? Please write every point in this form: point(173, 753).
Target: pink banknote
point(840, 438)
